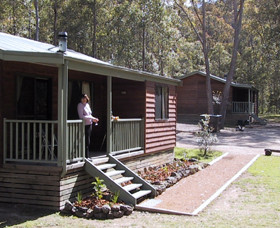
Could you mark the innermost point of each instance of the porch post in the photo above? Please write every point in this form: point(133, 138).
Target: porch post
point(62, 115)
point(249, 101)
point(109, 114)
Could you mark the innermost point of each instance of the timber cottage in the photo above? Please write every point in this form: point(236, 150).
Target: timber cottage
point(192, 98)
point(42, 140)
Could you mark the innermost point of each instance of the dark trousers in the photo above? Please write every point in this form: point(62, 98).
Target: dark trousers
point(88, 130)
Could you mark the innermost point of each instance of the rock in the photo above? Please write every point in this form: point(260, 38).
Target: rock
point(90, 213)
point(156, 182)
point(129, 212)
point(110, 216)
point(115, 207)
point(100, 215)
point(97, 209)
point(193, 160)
point(126, 209)
point(173, 174)
point(80, 214)
point(106, 209)
point(171, 180)
point(68, 206)
point(74, 209)
point(82, 209)
point(118, 214)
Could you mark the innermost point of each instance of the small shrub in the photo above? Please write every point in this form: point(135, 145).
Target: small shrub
point(116, 197)
point(205, 137)
point(98, 187)
point(79, 197)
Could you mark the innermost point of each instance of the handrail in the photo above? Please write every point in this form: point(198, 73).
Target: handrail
point(128, 120)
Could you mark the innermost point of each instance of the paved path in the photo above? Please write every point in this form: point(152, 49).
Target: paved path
point(189, 193)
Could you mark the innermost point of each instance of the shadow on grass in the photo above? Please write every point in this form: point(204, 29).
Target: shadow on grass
point(16, 214)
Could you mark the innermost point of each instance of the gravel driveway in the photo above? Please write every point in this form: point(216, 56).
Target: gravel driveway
point(252, 140)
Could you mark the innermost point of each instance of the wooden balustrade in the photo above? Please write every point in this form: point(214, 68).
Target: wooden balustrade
point(243, 107)
point(75, 141)
point(30, 141)
point(127, 135)
point(36, 141)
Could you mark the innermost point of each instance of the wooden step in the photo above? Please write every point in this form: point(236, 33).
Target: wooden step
point(114, 173)
point(141, 193)
point(131, 187)
point(123, 180)
point(106, 166)
point(99, 160)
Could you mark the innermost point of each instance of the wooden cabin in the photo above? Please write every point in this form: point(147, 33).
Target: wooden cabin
point(192, 98)
point(42, 154)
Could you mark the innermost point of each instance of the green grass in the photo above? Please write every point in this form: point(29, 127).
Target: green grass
point(271, 117)
point(196, 153)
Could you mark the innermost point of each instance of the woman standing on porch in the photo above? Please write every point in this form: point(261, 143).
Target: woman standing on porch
point(85, 113)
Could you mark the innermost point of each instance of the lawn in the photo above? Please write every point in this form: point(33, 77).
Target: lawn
point(252, 201)
point(196, 153)
point(271, 117)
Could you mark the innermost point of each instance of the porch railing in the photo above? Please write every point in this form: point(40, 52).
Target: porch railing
point(75, 141)
point(30, 141)
point(243, 107)
point(35, 141)
point(127, 135)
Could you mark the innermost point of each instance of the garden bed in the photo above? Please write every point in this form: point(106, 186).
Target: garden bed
point(103, 205)
point(164, 176)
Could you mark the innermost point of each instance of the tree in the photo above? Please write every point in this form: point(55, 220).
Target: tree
point(237, 22)
point(203, 40)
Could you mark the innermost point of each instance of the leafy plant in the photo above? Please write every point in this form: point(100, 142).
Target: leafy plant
point(116, 197)
point(205, 137)
point(79, 197)
point(98, 187)
point(165, 168)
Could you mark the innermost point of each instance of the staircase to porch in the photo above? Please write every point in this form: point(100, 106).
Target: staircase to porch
point(119, 178)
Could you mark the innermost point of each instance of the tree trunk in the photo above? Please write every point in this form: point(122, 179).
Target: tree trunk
point(37, 19)
point(237, 29)
point(94, 29)
point(55, 23)
point(143, 47)
point(207, 65)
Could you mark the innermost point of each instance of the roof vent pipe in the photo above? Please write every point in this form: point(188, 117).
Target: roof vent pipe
point(62, 41)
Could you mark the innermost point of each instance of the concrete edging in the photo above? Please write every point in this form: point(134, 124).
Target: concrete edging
point(218, 158)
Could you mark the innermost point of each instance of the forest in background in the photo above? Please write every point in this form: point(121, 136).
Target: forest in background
point(154, 36)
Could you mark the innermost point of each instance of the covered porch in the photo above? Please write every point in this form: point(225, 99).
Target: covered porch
point(61, 142)
point(244, 101)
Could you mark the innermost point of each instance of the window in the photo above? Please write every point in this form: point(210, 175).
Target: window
point(161, 97)
point(33, 98)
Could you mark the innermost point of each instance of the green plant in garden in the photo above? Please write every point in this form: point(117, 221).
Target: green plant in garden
point(205, 137)
point(116, 197)
point(98, 187)
point(79, 197)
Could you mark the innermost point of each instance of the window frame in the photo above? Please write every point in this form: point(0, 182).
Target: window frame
point(162, 96)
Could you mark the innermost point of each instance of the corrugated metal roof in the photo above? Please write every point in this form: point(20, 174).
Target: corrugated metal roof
point(234, 84)
point(10, 44)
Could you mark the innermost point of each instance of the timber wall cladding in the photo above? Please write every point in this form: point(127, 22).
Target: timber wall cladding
point(192, 98)
point(160, 135)
point(42, 186)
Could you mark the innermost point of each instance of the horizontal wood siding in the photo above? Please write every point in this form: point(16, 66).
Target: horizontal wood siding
point(149, 160)
point(192, 98)
point(33, 185)
point(160, 135)
point(128, 98)
point(42, 186)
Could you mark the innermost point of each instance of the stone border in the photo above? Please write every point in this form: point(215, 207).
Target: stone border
point(104, 212)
